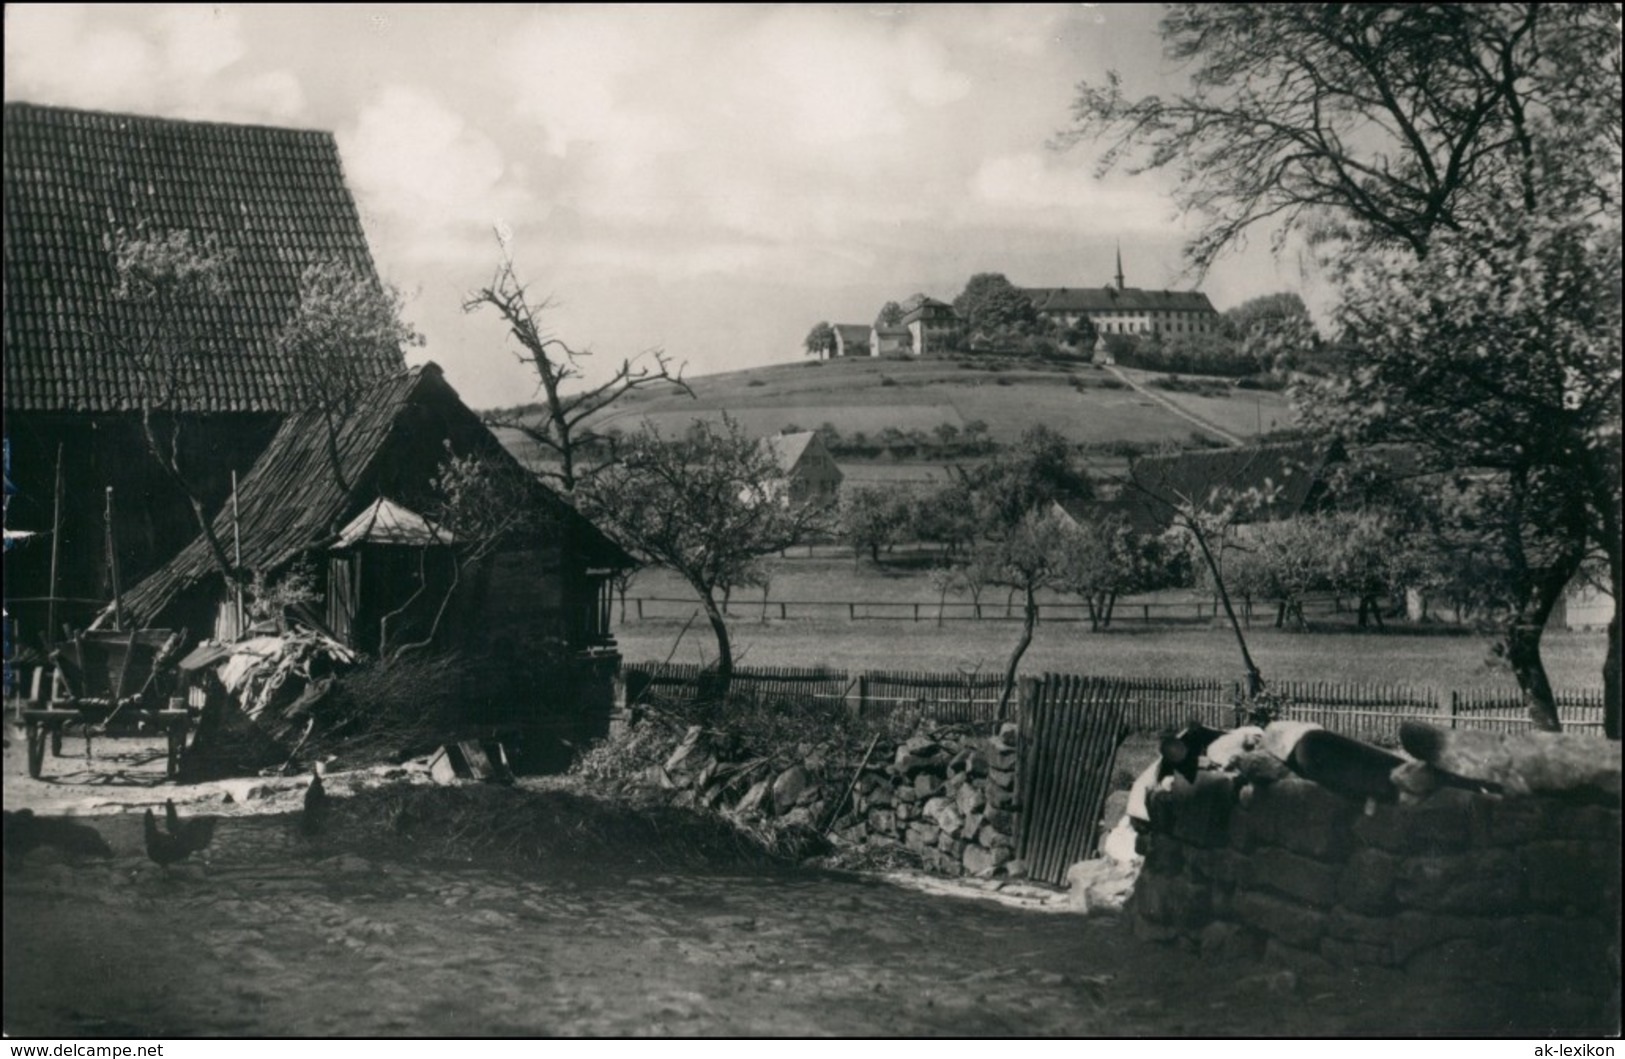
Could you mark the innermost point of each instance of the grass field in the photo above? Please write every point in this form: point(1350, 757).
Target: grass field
point(1445, 662)
point(867, 395)
point(1435, 656)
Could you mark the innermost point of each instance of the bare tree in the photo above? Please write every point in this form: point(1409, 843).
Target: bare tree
point(565, 432)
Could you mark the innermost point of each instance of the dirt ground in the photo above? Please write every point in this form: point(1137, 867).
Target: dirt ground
point(280, 935)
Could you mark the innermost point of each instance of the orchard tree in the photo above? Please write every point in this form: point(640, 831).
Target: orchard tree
point(820, 341)
point(991, 303)
point(1448, 161)
point(891, 314)
point(705, 507)
point(576, 450)
point(872, 518)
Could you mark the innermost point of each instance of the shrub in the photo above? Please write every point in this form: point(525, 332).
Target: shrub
point(887, 380)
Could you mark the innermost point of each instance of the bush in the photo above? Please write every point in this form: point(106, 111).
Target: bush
point(887, 380)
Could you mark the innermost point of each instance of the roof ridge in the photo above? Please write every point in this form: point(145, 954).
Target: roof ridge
point(122, 115)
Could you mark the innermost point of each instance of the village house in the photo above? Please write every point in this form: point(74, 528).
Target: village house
point(931, 324)
point(890, 340)
point(808, 474)
point(852, 340)
point(276, 201)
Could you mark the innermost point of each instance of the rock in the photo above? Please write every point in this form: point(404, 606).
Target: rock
point(1367, 881)
point(926, 784)
point(993, 838)
point(758, 799)
point(947, 818)
point(657, 777)
point(1016, 869)
point(920, 837)
point(1002, 798)
point(1523, 763)
point(907, 811)
point(1171, 900)
point(1292, 923)
point(1226, 942)
point(1295, 876)
point(970, 800)
point(688, 747)
point(977, 861)
point(1297, 815)
point(789, 786)
point(798, 817)
point(1005, 778)
point(1099, 885)
point(1472, 882)
point(1569, 873)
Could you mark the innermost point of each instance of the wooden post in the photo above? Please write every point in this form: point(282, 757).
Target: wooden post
point(781, 610)
point(639, 602)
point(851, 612)
point(237, 556)
point(112, 562)
point(56, 544)
point(863, 693)
point(1145, 613)
point(916, 612)
point(1455, 706)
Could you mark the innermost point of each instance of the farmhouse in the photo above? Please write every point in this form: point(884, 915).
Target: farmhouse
point(1116, 309)
point(890, 340)
point(931, 324)
point(276, 202)
point(852, 340)
point(808, 473)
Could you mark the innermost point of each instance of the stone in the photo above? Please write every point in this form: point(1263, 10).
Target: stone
point(812, 795)
point(905, 795)
point(1289, 921)
point(1523, 763)
point(1229, 942)
point(907, 811)
point(1293, 875)
point(1342, 953)
point(973, 824)
point(1008, 733)
point(1299, 816)
point(992, 838)
point(1474, 882)
point(1584, 876)
point(1440, 823)
point(1164, 854)
point(948, 818)
point(758, 799)
point(1005, 778)
point(999, 798)
point(1099, 885)
point(690, 745)
point(1000, 820)
point(927, 784)
point(979, 861)
point(1016, 869)
point(1172, 901)
point(970, 799)
point(1300, 961)
point(798, 817)
point(1199, 813)
point(790, 785)
point(657, 777)
point(879, 798)
point(1367, 881)
point(920, 837)
point(1001, 758)
point(882, 820)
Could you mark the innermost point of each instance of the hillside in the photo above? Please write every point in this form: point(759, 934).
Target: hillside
point(1090, 405)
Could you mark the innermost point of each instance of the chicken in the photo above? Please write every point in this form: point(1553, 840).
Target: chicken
point(194, 834)
point(163, 849)
point(313, 821)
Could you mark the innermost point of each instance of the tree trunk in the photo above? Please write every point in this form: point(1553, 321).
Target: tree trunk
point(1089, 605)
point(1110, 605)
point(1520, 645)
point(1280, 614)
point(1029, 621)
point(1255, 679)
point(725, 656)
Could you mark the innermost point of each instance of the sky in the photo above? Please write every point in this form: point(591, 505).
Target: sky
point(709, 180)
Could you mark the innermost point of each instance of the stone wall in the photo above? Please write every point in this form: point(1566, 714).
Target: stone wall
point(947, 794)
point(1519, 891)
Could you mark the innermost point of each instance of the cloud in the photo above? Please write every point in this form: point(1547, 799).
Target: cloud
point(181, 61)
point(425, 168)
point(1035, 189)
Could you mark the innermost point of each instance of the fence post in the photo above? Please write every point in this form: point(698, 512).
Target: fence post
point(781, 610)
point(863, 694)
point(916, 613)
point(851, 612)
point(1455, 706)
point(1145, 613)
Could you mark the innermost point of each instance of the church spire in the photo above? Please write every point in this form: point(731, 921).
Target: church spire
point(1119, 265)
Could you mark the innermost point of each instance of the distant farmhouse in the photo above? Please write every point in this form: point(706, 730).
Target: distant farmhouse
point(1120, 310)
point(927, 326)
point(808, 474)
point(852, 340)
point(931, 324)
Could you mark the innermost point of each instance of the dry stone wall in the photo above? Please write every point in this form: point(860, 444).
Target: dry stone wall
point(946, 794)
point(1512, 890)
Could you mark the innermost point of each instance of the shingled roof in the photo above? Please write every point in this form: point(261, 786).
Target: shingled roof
point(274, 197)
point(1113, 299)
point(1290, 477)
point(292, 502)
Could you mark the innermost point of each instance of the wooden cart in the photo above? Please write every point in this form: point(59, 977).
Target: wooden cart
point(114, 683)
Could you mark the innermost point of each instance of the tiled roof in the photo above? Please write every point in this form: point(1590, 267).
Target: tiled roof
point(292, 501)
point(274, 197)
point(852, 335)
point(787, 449)
point(1292, 474)
point(891, 330)
point(1110, 299)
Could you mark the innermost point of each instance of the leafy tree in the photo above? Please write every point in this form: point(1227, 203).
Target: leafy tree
point(704, 507)
point(1459, 167)
point(890, 315)
point(820, 341)
point(1381, 123)
point(565, 432)
point(1020, 541)
point(872, 518)
point(991, 303)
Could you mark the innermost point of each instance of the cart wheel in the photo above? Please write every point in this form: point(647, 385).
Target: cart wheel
point(36, 750)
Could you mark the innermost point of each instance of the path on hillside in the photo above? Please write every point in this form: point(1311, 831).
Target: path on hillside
point(1176, 408)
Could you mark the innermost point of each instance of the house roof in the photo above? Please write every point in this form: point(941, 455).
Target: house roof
point(292, 500)
point(1291, 475)
point(386, 522)
point(852, 334)
point(1136, 511)
point(1111, 299)
point(788, 450)
point(274, 197)
point(891, 330)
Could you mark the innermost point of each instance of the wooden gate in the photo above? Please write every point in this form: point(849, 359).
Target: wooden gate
point(1070, 730)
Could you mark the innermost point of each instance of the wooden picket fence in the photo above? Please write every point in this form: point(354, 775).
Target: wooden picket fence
point(1364, 711)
